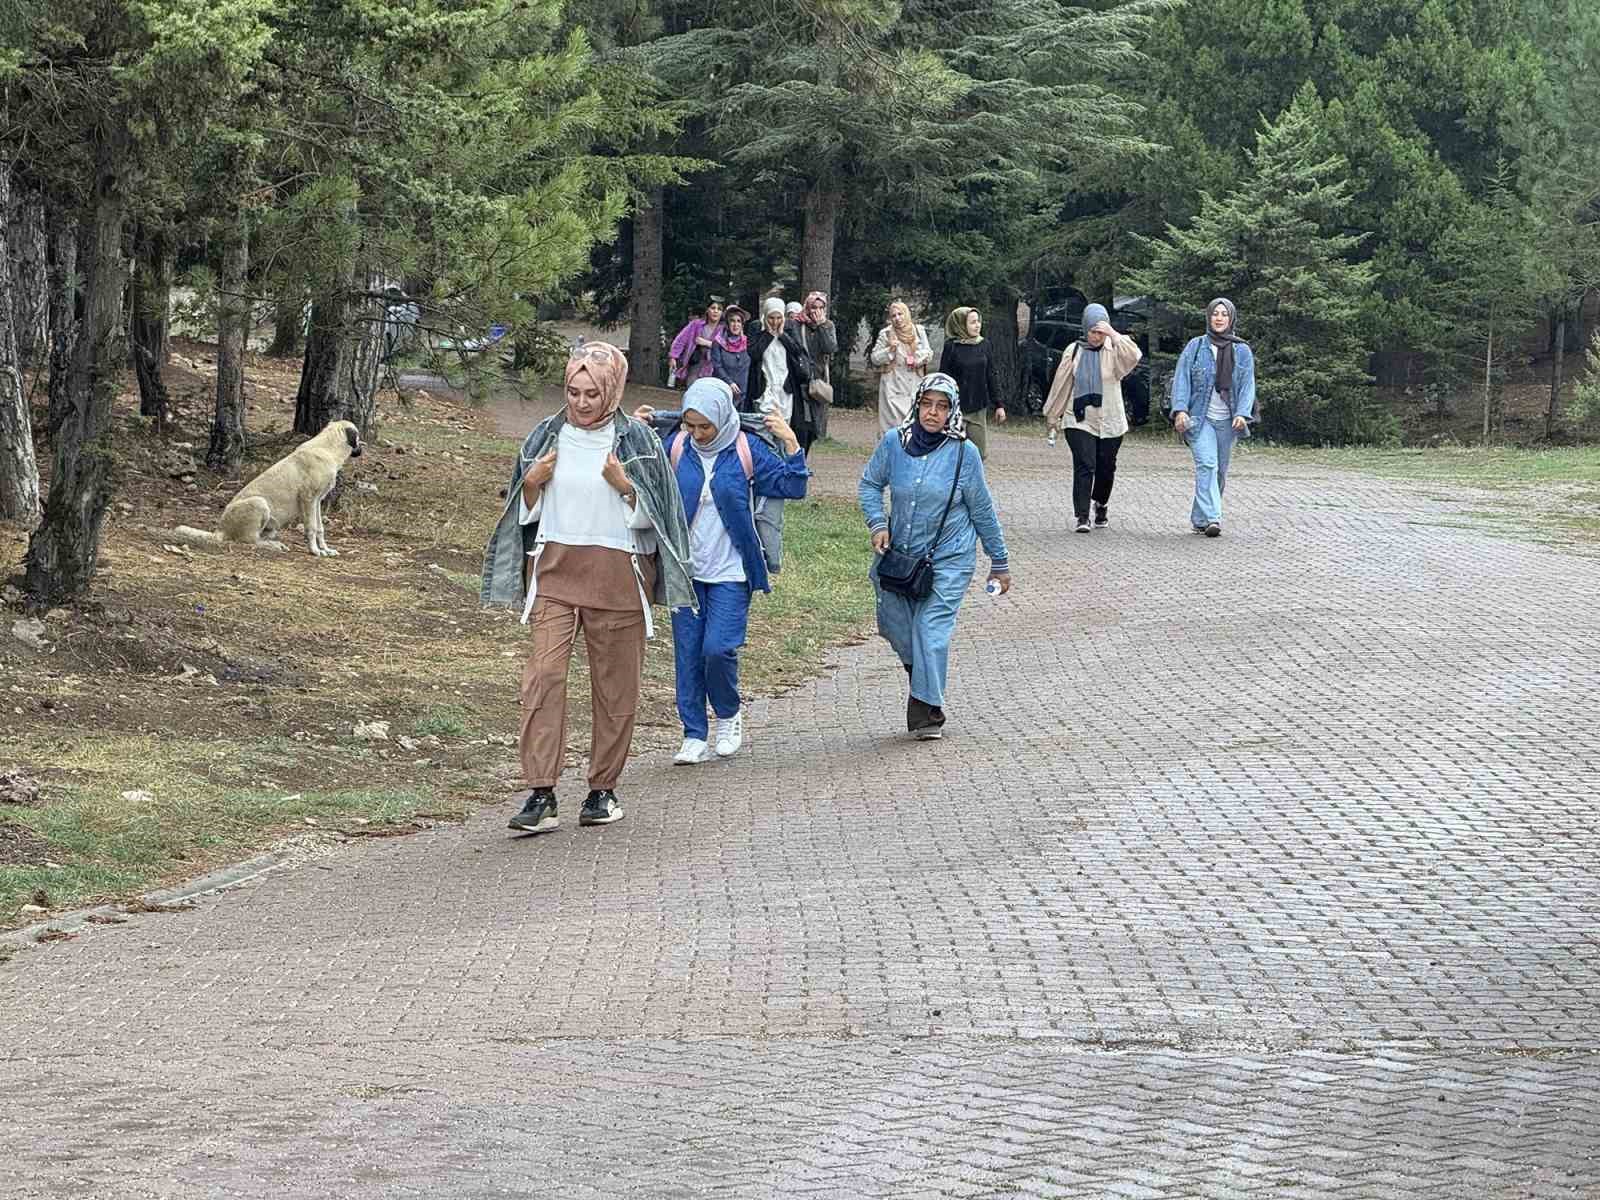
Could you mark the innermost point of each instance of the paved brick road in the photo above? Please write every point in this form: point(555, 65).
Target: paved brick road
point(1339, 941)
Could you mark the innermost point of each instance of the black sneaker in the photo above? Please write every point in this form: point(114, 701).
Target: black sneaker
point(1083, 525)
point(933, 730)
point(538, 815)
point(600, 808)
point(1101, 520)
point(1214, 530)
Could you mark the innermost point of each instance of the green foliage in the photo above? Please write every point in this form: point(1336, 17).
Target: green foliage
point(1584, 407)
point(1273, 246)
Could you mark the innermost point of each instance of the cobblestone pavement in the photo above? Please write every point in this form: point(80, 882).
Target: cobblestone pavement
point(1255, 867)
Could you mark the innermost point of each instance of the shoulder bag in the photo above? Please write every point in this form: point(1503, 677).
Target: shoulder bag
point(911, 575)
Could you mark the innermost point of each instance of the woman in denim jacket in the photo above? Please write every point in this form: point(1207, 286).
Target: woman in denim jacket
point(1213, 403)
point(923, 464)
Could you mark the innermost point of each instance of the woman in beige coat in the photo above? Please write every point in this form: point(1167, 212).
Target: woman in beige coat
point(1085, 402)
point(902, 353)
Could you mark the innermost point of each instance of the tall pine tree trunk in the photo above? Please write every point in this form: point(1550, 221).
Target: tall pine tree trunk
point(30, 283)
point(823, 201)
point(226, 449)
point(1556, 366)
point(63, 550)
point(150, 297)
point(644, 309)
point(64, 234)
point(19, 470)
point(1000, 331)
point(339, 381)
point(288, 324)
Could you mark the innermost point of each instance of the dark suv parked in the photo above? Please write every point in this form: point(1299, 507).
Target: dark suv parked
point(1057, 322)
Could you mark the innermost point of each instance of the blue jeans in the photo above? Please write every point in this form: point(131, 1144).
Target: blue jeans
point(705, 648)
point(1211, 443)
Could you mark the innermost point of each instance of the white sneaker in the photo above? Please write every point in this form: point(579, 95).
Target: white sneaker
point(730, 735)
point(693, 751)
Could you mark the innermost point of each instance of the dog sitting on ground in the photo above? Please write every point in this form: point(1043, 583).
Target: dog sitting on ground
point(290, 491)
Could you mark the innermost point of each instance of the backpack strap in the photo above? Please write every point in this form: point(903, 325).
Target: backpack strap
point(742, 445)
point(675, 451)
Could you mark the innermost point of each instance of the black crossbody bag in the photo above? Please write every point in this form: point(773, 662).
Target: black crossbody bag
point(911, 575)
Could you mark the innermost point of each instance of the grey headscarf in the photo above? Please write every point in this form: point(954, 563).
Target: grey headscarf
point(1224, 343)
point(713, 400)
point(1086, 379)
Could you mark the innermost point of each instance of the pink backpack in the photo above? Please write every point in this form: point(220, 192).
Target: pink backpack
point(768, 514)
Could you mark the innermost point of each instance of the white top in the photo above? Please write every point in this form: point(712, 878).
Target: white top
point(775, 363)
point(710, 548)
point(1217, 408)
point(578, 507)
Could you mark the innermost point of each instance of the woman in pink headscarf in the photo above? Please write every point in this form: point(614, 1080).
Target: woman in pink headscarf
point(593, 530)
point(690, 356)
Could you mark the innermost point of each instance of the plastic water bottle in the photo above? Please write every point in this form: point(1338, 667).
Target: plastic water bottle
point(992, 587)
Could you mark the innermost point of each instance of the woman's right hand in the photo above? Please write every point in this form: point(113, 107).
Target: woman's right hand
point(880, 541)
point(537, 476)
point(1181, 423)
point(643, 413)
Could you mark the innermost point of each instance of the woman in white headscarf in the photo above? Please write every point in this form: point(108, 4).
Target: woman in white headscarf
point(780, 374)
point(719, 469)
point(902, 353)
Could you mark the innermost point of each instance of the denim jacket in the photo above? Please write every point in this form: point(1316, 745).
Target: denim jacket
point(1197, 368)
point(919, 488)
point(775, 478)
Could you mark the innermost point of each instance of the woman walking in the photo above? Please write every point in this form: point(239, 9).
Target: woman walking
point(1213, 403)
point(718, 467)
point(902, 354)
point(820, 340)
point(967, 360)
point(780, 374)
point(593, 528)
point(690, 356)
point(942, 509)
point(730, 353)
point(1086, 402)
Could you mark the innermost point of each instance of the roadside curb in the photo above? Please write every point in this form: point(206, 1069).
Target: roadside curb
point(217, 881)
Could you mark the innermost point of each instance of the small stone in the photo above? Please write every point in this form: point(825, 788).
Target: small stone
point(10, 594)
point(58, 614)
point(30, 632)
point(372, 731)
point(407, 743)
point(139, 796)
point(32, 909)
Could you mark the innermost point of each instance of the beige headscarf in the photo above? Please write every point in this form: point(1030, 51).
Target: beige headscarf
point(608, 367)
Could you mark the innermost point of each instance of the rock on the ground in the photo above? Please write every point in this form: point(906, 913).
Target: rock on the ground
point(138, 796)
point(19, 788)
point(30, 632)
point(372, 731)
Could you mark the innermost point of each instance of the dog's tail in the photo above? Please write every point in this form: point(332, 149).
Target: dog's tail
point(197, 537)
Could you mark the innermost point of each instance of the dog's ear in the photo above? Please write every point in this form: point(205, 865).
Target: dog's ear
point(351, 436)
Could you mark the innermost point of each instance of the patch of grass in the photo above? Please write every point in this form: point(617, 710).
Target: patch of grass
point(822, 596)
point(101, 845)
point(445, 720)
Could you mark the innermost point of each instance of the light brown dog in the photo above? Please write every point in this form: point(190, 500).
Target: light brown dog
point(288, 492)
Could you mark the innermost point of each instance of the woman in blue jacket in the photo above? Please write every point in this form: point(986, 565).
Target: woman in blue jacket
point(717, 476)
point(925, 465)
point(1213, 403)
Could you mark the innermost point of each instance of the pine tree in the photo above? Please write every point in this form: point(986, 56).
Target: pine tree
point(1273, 246)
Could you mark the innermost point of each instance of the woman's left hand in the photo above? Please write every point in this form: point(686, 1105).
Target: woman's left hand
point(616, 476)
point(1000, 416)
point(779, 428)
point(1238, 424)
point(1003, 578)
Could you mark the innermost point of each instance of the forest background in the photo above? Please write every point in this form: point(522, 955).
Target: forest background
point(1395, 191)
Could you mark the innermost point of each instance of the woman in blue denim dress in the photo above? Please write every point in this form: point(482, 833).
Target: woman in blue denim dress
point(1213, 403)
point(918, 463)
